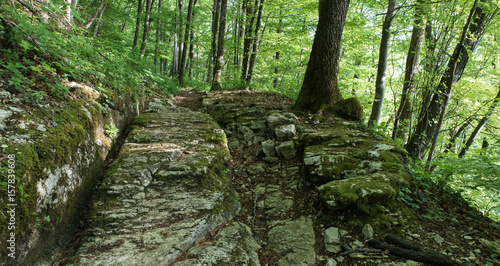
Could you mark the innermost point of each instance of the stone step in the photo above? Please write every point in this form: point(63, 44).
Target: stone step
point(166, 190)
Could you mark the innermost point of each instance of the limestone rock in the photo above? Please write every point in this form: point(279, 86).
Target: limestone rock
point(332, 240)
point(372, 189)
point(286, 149)
point(278, 119)
point(285, 132)
point(4, 114)
point(268, 148)
point(367, 232)
point(295, 240)
point(165, 190)
point(236, 246)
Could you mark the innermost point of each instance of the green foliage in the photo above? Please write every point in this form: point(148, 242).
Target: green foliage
point(111, 131)
point(476, 177)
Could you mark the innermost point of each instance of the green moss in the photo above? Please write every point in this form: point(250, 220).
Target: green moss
point(350, 109)
point(391, 157)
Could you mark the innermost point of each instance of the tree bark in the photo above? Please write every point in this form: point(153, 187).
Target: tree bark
point(279, 31)
point(404, 112)
point(215, 35)
point(185, 44)
point(320, 80)
point(247, 43)
point(431, 116)
point(382, 65)
point(158, 37)
point(137, 23)
point(220, 47)
point(99, 21)
point(241, 34)
point(100, 9)
point(256, 43)
point(147, 23)
point(175, 63)
point(480, 125)
point(191, 44)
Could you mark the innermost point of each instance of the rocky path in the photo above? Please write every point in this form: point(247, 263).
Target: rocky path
point(240, 180)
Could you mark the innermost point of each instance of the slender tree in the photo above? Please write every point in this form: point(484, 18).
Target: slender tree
point(403, 114)
point(382, 65)
point(320, 80)
point(137, 23)
point(431, 116)
point(147, 23)
point(215, 36)
point(158, 35)
point(255, 43)
point(216, 85)
point(185, 43)
point(480, 125)
point(248, 40)
point(99, 10)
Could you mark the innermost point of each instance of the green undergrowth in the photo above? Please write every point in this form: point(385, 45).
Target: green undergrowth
point(38, 60)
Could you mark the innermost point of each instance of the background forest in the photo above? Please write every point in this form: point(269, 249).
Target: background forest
point(394, 51)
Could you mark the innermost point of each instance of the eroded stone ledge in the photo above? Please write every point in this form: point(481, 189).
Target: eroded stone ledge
point(166, 189)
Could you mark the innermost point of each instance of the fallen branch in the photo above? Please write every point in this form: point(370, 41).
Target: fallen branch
point(420, 256)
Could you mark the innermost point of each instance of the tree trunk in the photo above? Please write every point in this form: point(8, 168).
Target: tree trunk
point(432, 115)
point(241, 34)
point(158, 37)
point(215, 35)
point(382, 65)
point(175, 63)
point(147, 23)
point(137, 23)
point(185, 44)
point(247, 43)
point(191, 44)
point(320, 80)
point(99, 10)
point(180, 38)
point(220, 47)
point(404, 112)
point(256, 43)
point(71, 6)
point(99, 21)
point(480, 125)
point(279, 31)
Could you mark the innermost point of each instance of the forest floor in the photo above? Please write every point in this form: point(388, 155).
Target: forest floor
point(442, 221)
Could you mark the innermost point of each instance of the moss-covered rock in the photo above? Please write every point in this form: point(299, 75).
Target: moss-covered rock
point(373, 189)
point(350, 109)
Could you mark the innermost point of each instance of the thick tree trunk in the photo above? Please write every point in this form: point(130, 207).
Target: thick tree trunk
point(404, 112)
point(137, 23)
point(432, 115)
point(185, 44)
point(480, 125)
point(382, 65)
point(320, 80)
point(256, 44)
point(147, 23)
point(220, 47)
